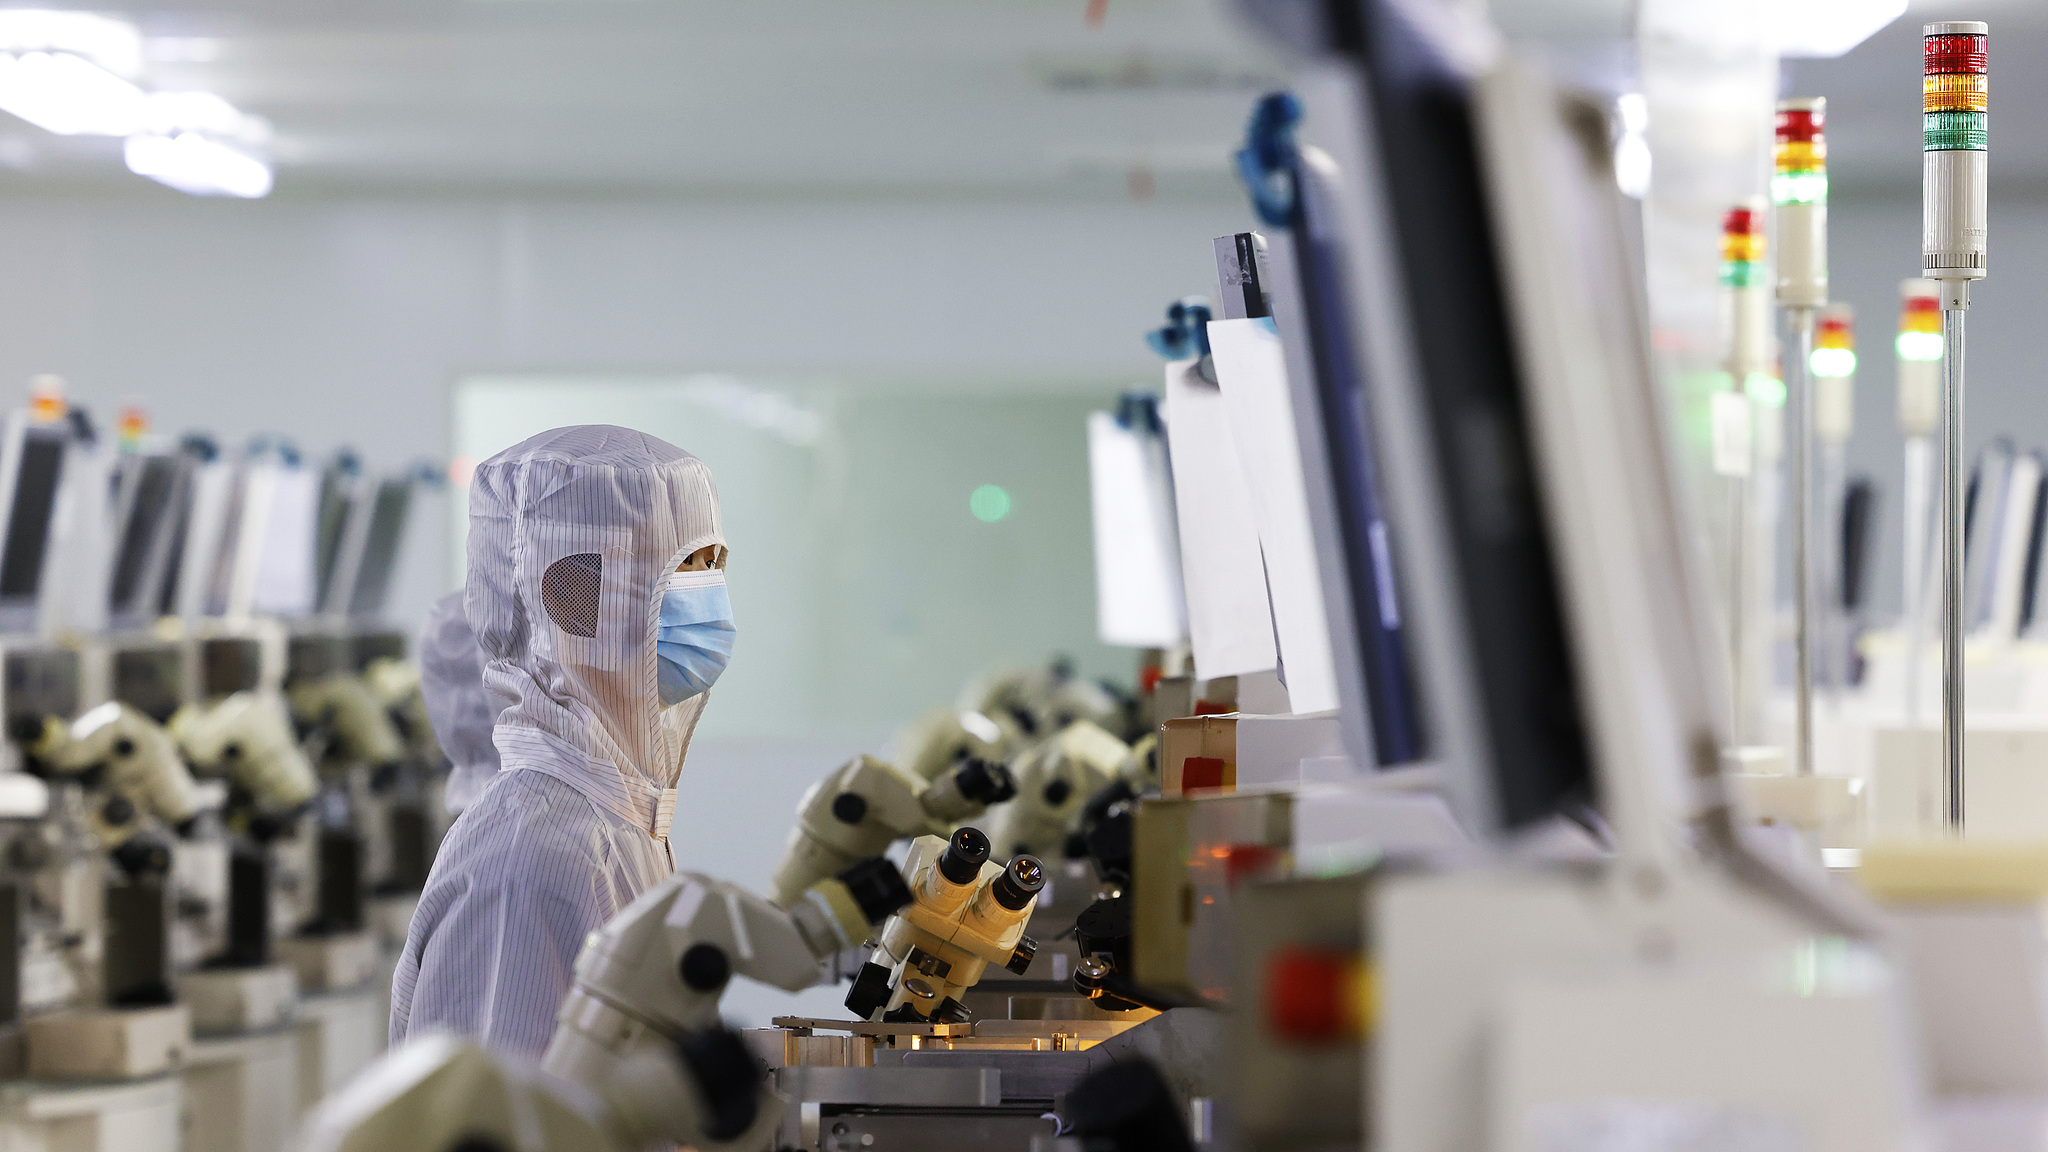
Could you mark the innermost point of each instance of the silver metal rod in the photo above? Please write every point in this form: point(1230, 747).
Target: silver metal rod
point(1952, 569)
point(1805, 608)
point(1738, 595)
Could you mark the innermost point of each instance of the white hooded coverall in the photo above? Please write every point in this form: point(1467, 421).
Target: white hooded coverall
point(572, 535)
point(462, 713)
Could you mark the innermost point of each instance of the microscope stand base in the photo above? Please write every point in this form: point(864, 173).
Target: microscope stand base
point(330, 963)
point(108, 1043)
point(230, 1001)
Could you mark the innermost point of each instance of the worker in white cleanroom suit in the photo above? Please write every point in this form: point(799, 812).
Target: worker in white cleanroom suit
point(597, 593)
point(462, 713)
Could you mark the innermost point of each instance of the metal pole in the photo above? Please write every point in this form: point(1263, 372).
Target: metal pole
point(1738, 623)
point(1952, 569)
point(1805, 612)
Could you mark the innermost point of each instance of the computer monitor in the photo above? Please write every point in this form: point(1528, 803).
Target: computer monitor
point(378, 559)
point(152, 490)
point(1562, 641)
point(340, 496)
point(31, 467)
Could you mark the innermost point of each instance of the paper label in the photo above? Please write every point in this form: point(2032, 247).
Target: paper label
point(1731, 433)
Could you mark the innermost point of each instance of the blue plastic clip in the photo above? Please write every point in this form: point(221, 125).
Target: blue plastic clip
point(1187, 329)
point(1138, 412)
point(1270, 157)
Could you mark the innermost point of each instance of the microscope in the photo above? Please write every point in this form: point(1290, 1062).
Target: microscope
point(1055, 778)
point(965, 913)
point(1039, 702)
point(245, 739)
point(944, 737)
point(652, 977)
point(866, 805)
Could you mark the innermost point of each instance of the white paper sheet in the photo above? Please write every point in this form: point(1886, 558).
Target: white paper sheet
point(1252, 368)
point(1230, 624)
point(1138, 598)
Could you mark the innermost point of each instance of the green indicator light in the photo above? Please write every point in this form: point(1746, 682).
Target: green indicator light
point(1804, 186)
point(1923, 346)
point(1742, 274)
point(1954, 132)
point(1833, 362)
point(1765, 390)
point(989, 503)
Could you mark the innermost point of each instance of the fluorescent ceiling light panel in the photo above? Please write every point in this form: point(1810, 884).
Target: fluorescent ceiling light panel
point(193, 164)
point(1817, 29)
point(169, 113)
point(113, 44)
point(69, 95)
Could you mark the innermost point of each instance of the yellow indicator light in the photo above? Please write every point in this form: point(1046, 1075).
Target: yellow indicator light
point(1952, 92)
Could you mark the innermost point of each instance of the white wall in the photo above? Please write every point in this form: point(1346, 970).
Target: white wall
point(1874, 242)
point(346, 321)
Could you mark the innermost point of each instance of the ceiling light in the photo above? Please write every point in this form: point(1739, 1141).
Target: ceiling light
point(191, 163)
point(68, 95)
point(169, 113)
point(113, 44)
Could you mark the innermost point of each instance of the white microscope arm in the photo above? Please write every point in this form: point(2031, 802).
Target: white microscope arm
point(442, 1093)
point(131, 755)
point(866, 804)
point(248, 738)
point(654, 975)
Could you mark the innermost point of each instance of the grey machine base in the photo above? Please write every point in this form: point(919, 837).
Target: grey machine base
point(992, 1100)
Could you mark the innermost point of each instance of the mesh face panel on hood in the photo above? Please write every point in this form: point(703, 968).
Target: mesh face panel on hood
point(571, 537)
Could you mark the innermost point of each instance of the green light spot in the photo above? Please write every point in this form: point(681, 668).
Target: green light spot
point(1802, 186)
point(1833, 362)
point(1919, 345)
point(989, 503)
point(1766, 390)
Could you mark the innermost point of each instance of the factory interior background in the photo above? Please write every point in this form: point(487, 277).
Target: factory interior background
point(869, 260)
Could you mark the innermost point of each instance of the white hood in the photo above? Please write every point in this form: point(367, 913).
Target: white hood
point(462, 713)
point(572, 535)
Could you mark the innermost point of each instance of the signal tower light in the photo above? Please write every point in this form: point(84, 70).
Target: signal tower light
point(1955, 106)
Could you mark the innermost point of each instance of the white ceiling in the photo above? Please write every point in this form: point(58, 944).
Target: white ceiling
point(842, 97)
point(683, 96)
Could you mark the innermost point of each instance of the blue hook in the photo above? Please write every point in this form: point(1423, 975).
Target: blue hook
point(1270, 157)
point(1187, 330)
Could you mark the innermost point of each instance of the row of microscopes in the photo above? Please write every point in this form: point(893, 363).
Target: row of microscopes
point(220, 791)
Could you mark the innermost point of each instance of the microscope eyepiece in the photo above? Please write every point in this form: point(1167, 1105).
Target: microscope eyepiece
point(962, 860)
point(1019, 882)
point(986, 783)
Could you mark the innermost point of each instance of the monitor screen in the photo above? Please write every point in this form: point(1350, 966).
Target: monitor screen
point(336, 508)
point(380, 548)
point(28, 521)
point(166, 594)
point(147, 510)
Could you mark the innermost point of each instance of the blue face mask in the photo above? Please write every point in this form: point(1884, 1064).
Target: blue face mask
point(694, 639)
